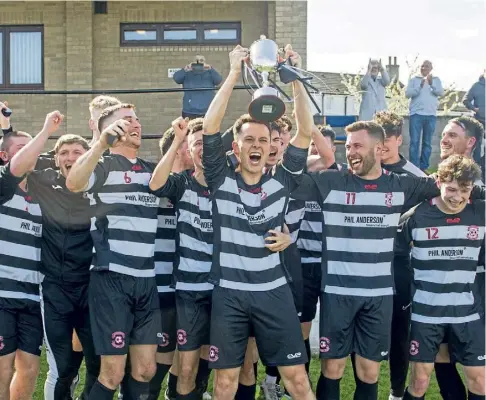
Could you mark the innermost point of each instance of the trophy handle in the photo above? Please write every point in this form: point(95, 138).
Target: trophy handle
point(256, 80)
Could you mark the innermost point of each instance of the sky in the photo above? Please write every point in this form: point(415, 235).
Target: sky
point(343, 34)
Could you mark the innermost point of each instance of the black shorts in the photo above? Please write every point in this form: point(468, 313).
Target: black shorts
point(271, 315)
point(312, 274)
point(465, 341)
point(291, 257)
point(169, 323)
point(21, 329)
point(193, 319)
point(124, 312)
point(354, 324)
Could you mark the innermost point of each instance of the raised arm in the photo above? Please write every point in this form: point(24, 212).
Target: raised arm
point(78, 178)
point(385, 78)
point(215, 114)
point(303, 114)
point(180, 76)
point(25, 160)
point(323, 148)
point(162, 171)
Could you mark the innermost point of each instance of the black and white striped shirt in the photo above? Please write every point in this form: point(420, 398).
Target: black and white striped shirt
point(20, 243)
point(360, 221)
point(194, 240)
point(243, 214)
point(165, 245)
point(125, 222)
point(309, 240)
point(444, 260)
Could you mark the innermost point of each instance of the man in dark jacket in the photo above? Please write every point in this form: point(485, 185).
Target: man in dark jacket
point(66, 252)
point(474, 100)
point(193, 76)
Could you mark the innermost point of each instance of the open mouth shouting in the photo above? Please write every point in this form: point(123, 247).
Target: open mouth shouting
point(255, 158)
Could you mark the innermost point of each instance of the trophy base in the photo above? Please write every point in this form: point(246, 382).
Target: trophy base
point(266, 108)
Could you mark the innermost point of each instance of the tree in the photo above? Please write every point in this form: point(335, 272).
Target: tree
point(396, 100)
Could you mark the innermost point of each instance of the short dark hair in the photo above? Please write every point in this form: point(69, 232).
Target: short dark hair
point(459, 168)
point(195, 125)
point(166, 141)
point(109, 111)
point(391, 123)
point(285, 122)
point(5, 141)
point(70, 139)
point(327, 131)
point(373, 129)
point(274, 126)
point(246, 119)
point(471, 126)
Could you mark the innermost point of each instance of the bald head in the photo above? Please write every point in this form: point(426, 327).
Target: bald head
point(426, 67)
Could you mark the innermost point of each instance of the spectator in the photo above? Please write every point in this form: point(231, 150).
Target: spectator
point(474, 100)
point(197, 75)
point(373, 99)
point(423, 91)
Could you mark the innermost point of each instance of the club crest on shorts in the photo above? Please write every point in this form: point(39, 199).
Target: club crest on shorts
point(389, 199)
point(163, 339)
point(414, 347)
point(118, 340)
point(2, 344)
point(213, 354)
point(473, 232)
point(181, 337)
point(324, 344)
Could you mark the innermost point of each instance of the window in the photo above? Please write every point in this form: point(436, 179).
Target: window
point(199, 33)
point(21, 57)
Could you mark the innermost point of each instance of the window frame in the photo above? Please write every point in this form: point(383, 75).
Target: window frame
point(199, 27)
point(6, 30)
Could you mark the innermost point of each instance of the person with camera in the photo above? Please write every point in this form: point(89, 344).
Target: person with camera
point(197, 75)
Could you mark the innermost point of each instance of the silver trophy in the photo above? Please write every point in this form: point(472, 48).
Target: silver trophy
point(263, 68)
point(266, 104)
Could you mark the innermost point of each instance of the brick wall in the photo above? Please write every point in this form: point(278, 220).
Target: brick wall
point(82, 51)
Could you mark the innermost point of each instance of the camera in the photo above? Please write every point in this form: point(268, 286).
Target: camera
point(197, 67)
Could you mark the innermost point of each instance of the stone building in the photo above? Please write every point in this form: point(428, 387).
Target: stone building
point(60, 46)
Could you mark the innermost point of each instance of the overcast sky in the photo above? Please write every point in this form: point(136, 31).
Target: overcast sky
point(343, 34)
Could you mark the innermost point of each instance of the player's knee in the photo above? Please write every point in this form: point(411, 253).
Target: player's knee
point(420, 384)
point(187, 372)
point(333, 369)
point(144, 372)
point(247, 374)
point(297, 381)
point(225, 386)
point(368, 375)
point(477, 384)
point(111, 374)
point(28, 372)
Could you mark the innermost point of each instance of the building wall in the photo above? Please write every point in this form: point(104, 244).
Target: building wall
point(82, 51)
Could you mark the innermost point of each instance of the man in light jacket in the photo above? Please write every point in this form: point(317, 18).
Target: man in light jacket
point(373, 87)
point(423, 91)
point(198, 74)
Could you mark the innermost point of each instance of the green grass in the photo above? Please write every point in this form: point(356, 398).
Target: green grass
point(347, 383)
